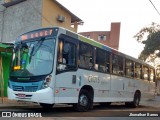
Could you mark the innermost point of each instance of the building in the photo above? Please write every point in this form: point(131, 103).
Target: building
point(19, 16)
point(109, 38)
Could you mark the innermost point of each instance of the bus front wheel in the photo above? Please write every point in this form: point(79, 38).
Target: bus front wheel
point(84, 101)
point(46, 106)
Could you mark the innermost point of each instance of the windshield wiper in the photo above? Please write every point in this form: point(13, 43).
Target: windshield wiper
point(36, 48)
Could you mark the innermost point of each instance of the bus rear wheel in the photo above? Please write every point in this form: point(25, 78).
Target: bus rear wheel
point(46, 106)
point(84, 101)
point(135, 102)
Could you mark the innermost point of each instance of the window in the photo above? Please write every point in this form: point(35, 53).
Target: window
point(88, 36)
point(129, 68)
point(152, 75)
point(66, 55)
point(107, 62)
point(145, 73)
point(85, 56)
point(102, 37)
point(117, 65)
point(138, 71)
point(100, 60)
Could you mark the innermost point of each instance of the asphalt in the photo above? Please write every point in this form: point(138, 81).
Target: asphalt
point(5, 103)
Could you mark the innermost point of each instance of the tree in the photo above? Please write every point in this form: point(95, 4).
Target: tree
point(151, 49)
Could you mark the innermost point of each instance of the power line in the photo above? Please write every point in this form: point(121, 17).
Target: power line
point(154, 7)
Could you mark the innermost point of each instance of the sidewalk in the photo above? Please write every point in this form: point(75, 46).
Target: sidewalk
point(153, 102)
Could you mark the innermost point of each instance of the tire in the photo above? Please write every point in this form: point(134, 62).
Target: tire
point(84, 101)
point(135, 102)
point(46, 106)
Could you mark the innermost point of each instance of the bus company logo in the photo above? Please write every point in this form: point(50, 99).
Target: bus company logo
point(6, 114)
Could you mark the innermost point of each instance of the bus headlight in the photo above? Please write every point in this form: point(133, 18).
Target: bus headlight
point(47, 81)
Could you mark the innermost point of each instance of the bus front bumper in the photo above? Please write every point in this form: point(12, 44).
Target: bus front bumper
point(40, 96)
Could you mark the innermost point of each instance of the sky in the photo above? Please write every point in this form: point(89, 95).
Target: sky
point(133, 15)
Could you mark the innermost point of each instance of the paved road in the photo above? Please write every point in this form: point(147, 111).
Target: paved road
point(113, 112)
point(99, 111)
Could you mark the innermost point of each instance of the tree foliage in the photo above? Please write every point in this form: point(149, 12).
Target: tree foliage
point(152, 42)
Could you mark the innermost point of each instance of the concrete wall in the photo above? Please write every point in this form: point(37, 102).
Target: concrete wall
point(1, 19)
point(21, 18)
point(1, 22)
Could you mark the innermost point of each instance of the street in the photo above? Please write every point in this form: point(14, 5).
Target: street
point(148, 110)
point(115, 110)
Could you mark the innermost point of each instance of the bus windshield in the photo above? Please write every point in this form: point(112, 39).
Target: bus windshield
point(33, 58)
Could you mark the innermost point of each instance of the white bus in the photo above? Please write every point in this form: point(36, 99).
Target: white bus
point(55, 65)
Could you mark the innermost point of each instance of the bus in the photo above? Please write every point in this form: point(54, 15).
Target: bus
point(54, 65)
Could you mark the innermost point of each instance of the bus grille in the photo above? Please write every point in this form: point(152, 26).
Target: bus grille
point(25, 88)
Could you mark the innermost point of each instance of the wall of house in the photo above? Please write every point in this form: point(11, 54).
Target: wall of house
point(1, 22)
point(1, 19)
point(21, 18)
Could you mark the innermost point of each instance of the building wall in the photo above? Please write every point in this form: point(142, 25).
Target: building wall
point(1, 19)
point(21, 18)
point(95, 34)
point(1, 22)
point(50, 12)
point(114, 35)
point(111, 37)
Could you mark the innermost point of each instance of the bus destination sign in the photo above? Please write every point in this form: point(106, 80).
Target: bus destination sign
point(35, 34)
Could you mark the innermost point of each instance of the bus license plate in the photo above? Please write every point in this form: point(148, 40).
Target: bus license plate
point(21, 95)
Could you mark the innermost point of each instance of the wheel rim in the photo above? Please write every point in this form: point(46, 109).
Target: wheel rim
point(83, 100)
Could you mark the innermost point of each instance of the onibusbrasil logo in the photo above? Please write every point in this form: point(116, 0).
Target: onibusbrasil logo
point(18, 114)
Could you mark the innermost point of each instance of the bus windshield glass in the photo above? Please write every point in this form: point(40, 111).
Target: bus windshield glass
point(33, 58)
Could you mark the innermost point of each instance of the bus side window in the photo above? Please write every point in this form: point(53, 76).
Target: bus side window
point(151, 75)
point(100, 60)
point(145, 73)
point(66, 56)
point(129, 68)
point(85, 56)
point(117, 65)
point(107, 62)
point(138, 71)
